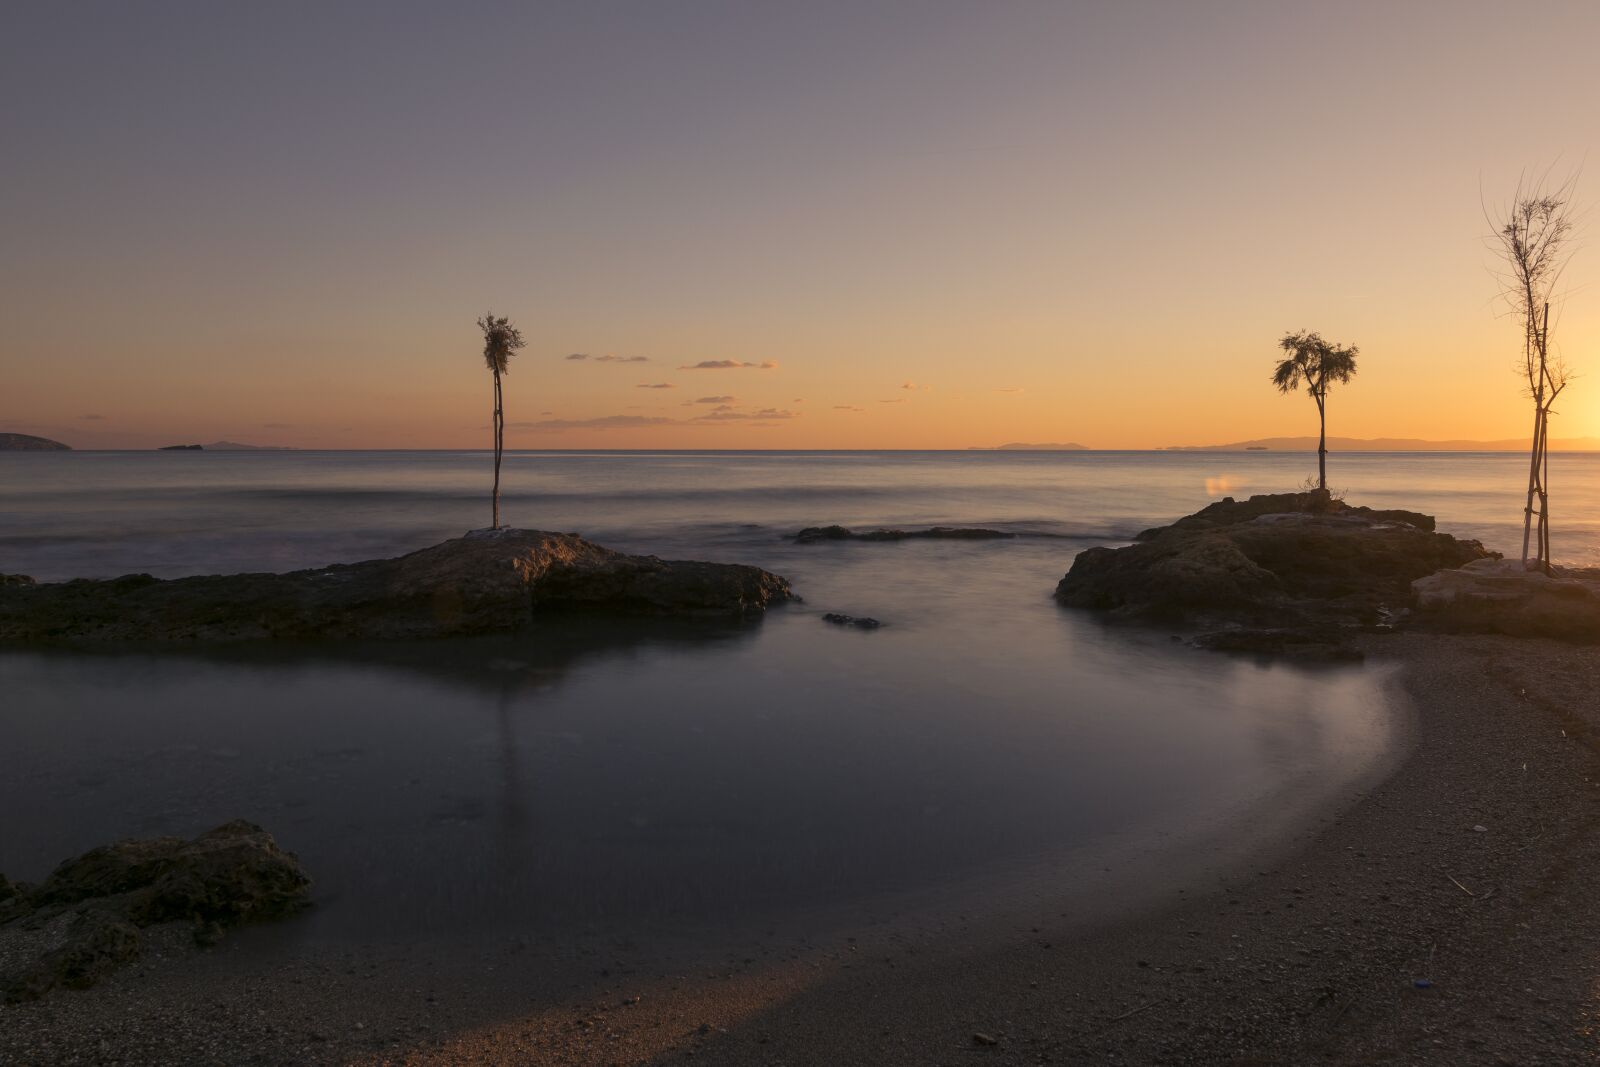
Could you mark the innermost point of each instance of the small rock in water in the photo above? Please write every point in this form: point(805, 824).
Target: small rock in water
point(861, 623)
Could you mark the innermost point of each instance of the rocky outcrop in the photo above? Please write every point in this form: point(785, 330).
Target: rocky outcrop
point(85, 920)
point(1286, 561)
point(814, 534)
point(1502, 596)
point(487, 581)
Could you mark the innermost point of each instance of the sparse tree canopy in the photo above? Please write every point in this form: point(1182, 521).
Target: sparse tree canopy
point(500, 341)
point(1532, 240)
point(1316, 364)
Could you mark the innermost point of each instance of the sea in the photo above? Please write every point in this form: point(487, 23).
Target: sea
point(982, 745)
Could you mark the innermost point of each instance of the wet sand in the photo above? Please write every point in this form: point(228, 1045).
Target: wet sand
point(1393, 930)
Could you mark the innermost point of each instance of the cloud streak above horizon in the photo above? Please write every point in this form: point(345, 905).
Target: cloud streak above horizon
point(729, 364)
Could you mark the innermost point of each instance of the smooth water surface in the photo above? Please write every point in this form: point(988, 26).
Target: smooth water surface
point(641, 774)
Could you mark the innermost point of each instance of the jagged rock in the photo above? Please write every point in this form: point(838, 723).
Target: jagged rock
point(98, 901)
point(95, 944)
point(1285, 561)
point(1501, 596)
point(813, 534)
point(863, 622)
point(486, 581)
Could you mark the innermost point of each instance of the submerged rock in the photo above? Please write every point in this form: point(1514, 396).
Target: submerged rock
point(1502, 596)
point(486, 581)
point(83, 921)
point(814, 534)
point(861, 622)
point(1287, 561)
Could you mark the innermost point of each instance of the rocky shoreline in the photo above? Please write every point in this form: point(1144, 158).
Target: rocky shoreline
point(484, 582)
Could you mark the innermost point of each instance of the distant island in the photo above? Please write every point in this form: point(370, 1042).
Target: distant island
point(1024, 446)
point(22, 442)
point(1390, 444)
point(225, 446)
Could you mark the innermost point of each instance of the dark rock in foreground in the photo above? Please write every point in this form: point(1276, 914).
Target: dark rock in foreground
point(84, 921)
point(813, 534)
point(487, 581)
point(1287, 561)
point(1501, 596)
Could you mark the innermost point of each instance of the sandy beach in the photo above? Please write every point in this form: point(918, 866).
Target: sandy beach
point(1442, 914)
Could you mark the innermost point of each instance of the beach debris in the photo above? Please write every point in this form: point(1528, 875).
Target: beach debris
point(92, 908)
point(1480, 829)
point(1422, 983)
point(862, 622)
point(1461, 887)
point(1130, 1013)
point(981, 1038)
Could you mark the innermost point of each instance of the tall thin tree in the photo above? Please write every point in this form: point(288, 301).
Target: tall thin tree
point(1532, 239)
point(500, 342)
point(1316, 364)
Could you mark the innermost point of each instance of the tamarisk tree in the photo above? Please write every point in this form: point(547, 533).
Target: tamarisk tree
point(1532, 241)
point(1316, 364)
point(500, 341)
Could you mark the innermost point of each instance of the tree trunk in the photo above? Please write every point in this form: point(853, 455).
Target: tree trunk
point(1322, 442)
point(1533, 480)
point(499, 424)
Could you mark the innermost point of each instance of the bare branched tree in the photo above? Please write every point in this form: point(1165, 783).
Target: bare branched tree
point(500, 341)
point(1316, 364)
point(1533, 240)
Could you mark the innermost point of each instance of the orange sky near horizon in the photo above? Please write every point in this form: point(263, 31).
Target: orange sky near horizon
point(946, 226)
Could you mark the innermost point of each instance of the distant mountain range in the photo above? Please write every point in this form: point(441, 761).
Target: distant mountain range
point(25, 442)
point(1024, 446)
point(1390, 444)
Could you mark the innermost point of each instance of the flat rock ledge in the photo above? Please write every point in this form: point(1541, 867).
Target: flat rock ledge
point(1502, 596)
point(1281, 571)
point(489, 580)
point(87, 919)
point(815, 534)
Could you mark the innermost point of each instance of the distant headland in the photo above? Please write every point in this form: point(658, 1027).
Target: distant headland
point(22, 442)
point(1024, 446)
point(225, 446)
point(1389, 444)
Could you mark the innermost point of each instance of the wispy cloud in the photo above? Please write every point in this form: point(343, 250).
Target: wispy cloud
point(579, 355)
point(764, 415)
point(1012, 389)
point(655, 385)
point(276, 426)
point(92, 418)
point(604, 422)
point(730, 364)
point(895, 400)
point(713, 400)
point(847, 407)
point(609, 358)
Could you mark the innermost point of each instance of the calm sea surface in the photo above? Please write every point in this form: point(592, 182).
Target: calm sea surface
point(637, 775)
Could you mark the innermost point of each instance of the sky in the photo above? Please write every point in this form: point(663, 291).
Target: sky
point(861, 225)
